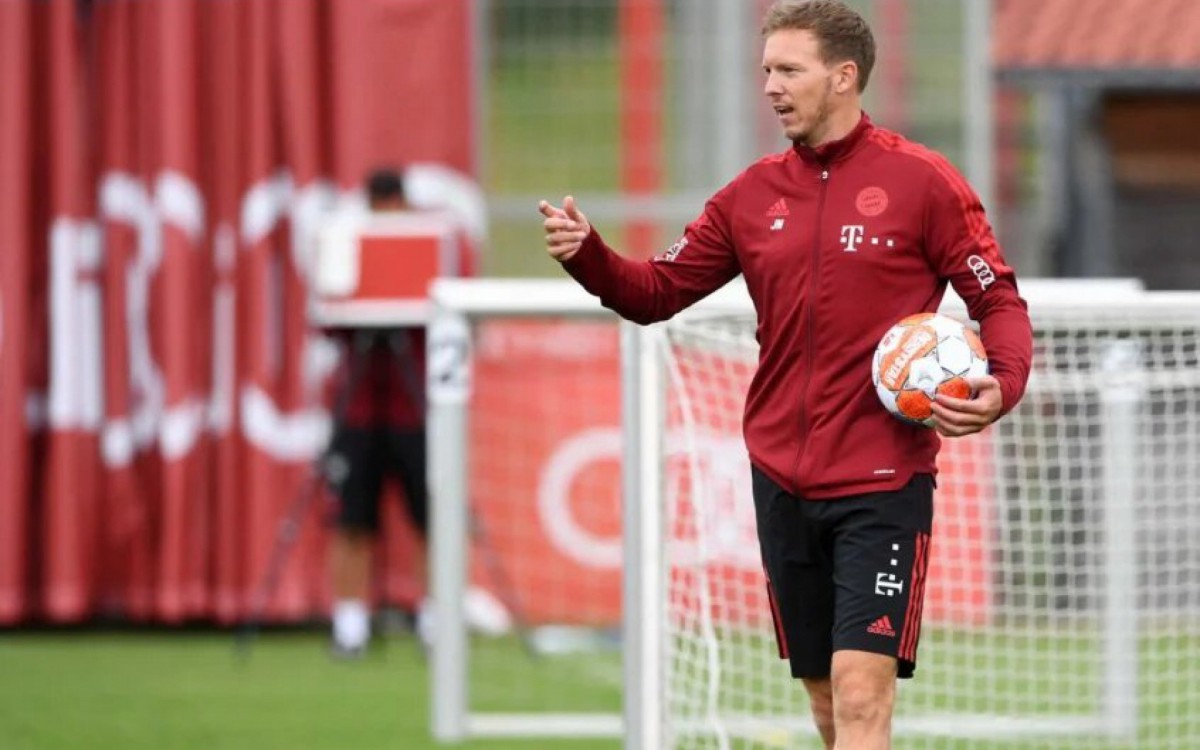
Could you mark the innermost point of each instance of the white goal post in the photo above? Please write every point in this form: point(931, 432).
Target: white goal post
point(1063, 608)
point(1064, 604)
point(459, 308)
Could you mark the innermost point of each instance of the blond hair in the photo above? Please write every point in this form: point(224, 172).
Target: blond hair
point(841, 32)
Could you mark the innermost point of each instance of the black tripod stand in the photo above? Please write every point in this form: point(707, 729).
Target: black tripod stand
point(362, 344)
point(288, 530)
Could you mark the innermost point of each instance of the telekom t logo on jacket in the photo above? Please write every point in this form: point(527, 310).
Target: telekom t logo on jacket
point(852, 236)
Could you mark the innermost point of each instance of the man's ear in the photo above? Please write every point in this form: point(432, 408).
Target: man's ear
point(845, 77)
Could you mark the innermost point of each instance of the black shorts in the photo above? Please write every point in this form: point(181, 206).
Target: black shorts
point(358, 461)
point(847, 573)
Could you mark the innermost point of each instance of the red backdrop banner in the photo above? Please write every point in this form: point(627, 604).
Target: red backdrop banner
point(162, 166)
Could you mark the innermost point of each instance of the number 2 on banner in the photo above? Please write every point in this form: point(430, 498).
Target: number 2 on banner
point(449, 367)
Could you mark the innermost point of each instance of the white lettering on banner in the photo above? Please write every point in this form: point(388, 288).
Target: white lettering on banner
point(76, 394)
point(433, 185)
point(287, 436)
point(176, 202)
point(220, 403)
point(718, 490)
point(75, 400)
point(718, 471)
point(554, 497)
point(296, 435)
point(564, 341)
point(982, 271)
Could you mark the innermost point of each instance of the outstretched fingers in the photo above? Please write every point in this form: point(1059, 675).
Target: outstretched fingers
point(550, 211)
point(571, 209)
point(566, 228)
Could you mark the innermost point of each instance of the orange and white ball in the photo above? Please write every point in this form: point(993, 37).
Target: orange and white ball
point(921, 356)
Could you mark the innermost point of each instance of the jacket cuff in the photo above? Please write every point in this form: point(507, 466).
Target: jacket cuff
point(589, 259)
point(1010, 395)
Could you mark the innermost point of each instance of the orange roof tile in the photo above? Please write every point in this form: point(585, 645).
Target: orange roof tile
point(1097, 35)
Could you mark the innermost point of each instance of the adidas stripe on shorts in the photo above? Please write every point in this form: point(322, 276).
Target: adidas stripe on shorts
point(868, 553)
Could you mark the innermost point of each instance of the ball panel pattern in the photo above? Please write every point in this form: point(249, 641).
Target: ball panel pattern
point(955, 388)
point(914, 343)
point(975, 343)
point(955, 355)
point(921, 356)
point(914, 405)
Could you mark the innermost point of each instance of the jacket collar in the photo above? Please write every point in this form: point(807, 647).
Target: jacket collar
point(827, 153)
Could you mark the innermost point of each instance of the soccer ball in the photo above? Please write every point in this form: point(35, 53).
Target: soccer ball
point(922, 356)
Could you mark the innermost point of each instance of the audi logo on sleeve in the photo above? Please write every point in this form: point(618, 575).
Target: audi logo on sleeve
point(672, 252)
point(982, 271)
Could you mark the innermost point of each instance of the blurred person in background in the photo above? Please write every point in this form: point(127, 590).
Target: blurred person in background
point(838, 238)
point(379, 434)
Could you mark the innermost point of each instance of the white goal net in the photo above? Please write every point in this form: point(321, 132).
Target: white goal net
point(589, 490)
point(1063, 602)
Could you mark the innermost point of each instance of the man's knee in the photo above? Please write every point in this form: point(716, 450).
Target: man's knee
point(820, 697)
point(820, 700)
point(864, 686)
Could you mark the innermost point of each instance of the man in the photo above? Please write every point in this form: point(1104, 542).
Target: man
point(839, 237)
point(378, 431)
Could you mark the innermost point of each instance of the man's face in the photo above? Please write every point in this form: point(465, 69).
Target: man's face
point(799, 85)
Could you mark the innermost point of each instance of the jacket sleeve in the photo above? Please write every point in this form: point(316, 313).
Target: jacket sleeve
point(699, 263)
point(962, 249)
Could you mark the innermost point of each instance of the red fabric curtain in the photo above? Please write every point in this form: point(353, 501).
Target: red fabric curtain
point(162, 166)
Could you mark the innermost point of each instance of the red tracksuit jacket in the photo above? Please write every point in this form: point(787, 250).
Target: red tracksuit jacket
point(836, 244)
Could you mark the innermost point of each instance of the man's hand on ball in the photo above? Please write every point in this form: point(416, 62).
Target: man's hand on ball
point(955, 417)
point(566, 228)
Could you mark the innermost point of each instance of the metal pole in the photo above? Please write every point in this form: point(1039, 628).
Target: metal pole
point(693, 135)
point(734, 118)
point(978, 92)
point(1121, 362)
point(448, 383)
point(642, 576)
point(480, 51)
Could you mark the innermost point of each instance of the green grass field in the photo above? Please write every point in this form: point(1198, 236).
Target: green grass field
point(163, 690)
point(167, 690)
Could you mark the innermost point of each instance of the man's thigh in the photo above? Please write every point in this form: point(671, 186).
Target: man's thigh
point(881, 557)
point(353, 468)
point(799, 569)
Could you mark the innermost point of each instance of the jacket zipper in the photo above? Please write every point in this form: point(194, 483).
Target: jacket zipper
point(809, 326)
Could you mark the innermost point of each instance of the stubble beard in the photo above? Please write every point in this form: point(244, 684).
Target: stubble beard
point(820, 123)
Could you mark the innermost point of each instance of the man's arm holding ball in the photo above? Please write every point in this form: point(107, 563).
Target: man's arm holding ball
point(956, 417)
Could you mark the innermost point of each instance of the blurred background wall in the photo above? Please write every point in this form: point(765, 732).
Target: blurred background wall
point(1070, 116)
point(162, 168)
point(163, 164)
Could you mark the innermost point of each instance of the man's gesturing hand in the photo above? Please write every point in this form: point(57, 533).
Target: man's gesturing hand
point(566, 228)
point(955, 417)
